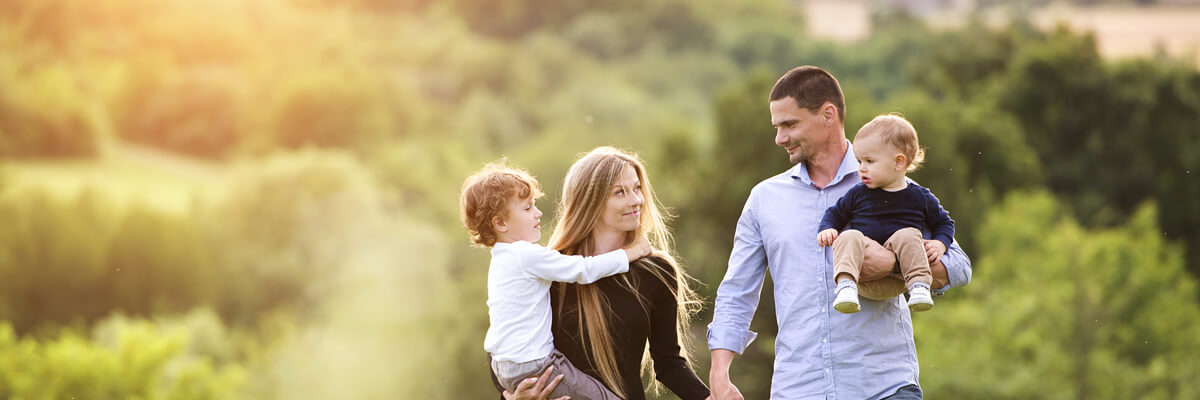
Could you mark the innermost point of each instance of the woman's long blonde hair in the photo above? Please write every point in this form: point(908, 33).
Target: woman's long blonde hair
point(584, 197)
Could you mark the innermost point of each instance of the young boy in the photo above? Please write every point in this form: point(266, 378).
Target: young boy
point(498, 211)
point(889, 209)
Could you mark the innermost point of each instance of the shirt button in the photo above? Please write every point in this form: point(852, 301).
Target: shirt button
point(828, 371)
point(824, 340)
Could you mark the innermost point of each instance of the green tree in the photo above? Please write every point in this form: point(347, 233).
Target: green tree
point(1058, 311)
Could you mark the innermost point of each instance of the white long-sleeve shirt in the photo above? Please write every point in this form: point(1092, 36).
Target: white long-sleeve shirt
point(518, 302)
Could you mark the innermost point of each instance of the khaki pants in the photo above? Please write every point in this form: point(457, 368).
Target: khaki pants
point(909, 246)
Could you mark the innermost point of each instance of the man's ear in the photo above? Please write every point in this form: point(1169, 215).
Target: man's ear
point(828, 113)
point(498, 224)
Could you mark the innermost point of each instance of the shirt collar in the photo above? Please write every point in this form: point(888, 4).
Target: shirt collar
point(849, 166)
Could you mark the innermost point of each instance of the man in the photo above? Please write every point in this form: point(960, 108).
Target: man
point(819, 353)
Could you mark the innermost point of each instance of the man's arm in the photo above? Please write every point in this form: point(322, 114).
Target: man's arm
point(737, 299)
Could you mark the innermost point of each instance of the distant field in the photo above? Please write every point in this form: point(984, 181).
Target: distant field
point(1121, 31)
point(125, 175)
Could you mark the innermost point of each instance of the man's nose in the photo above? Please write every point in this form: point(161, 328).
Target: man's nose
point(780, 138)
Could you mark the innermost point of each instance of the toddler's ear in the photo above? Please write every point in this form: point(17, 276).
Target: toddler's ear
point(901, 162)
point(498, 224)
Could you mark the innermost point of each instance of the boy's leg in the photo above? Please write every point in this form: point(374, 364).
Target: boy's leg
point(848, 251)
point(909, 246)
point(882, 289)
point(575, 383)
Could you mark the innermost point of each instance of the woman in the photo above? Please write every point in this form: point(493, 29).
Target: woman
point(604, 328)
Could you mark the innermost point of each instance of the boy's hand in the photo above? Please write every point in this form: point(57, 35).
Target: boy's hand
point(640, 248)
point(826, 237)
point(934, 250)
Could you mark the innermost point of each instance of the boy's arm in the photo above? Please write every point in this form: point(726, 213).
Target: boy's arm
point(941, 227)
point(548, 264)
point(838, 214)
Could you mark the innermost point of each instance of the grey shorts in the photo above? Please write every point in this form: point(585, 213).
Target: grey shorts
point(575, 383)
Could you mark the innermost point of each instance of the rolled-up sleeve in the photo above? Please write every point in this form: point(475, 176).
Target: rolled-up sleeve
point(958, 268)
point(740, 290)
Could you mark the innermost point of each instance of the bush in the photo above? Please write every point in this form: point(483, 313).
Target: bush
point(41, 115)
point(125, 359)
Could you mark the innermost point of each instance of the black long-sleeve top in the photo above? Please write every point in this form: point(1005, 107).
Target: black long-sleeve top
point(631, 328)
point(878, 213)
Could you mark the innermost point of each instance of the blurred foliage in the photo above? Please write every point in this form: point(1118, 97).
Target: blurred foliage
point(332, 258)
point(122, 359)
point(1084, 313)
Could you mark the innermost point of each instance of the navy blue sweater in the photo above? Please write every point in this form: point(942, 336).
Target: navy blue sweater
point(878, 213)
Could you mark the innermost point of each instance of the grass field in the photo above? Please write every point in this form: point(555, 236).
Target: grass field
point(124, 174)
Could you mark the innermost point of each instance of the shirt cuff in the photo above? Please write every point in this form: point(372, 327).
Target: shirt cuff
point(957, 275)
point(735, 340)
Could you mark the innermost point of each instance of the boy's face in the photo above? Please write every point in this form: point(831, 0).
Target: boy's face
point(523, 222)
point(880, 165)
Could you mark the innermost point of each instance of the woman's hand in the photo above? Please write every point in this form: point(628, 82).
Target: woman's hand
point(536, 389)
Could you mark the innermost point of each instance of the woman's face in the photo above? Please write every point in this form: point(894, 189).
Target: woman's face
point(623, 210)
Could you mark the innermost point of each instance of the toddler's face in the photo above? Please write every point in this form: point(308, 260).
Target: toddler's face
point(524, 220)
point(878, 164)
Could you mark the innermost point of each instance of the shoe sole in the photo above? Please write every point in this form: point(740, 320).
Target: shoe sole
point(846, 308)
point(920, 307)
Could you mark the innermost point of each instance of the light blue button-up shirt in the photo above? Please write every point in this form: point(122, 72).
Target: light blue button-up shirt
point(820, 353)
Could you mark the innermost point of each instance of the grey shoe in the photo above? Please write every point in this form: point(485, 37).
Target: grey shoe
point(919, 299)
point(847, 300)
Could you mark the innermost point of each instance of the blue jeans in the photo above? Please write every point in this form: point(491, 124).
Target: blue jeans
point(910, 392)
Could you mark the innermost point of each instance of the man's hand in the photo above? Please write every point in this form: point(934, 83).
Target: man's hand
point(640, 248)
point(536, 389)
point(718, 378)
point(826, 237)
point(934, 250)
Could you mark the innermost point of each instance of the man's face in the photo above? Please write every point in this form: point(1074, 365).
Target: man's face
point(797, 129)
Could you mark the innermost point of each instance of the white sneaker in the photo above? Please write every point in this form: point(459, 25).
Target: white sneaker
point(919, 299)
point(847, 300)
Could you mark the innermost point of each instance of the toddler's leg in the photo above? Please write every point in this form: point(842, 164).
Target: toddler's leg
point(882, 289)
point(848, 251)
point(909, 246)
point(577, 384)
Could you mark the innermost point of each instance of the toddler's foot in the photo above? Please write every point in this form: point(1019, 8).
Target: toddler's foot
point(847, 299)
point(919, 299)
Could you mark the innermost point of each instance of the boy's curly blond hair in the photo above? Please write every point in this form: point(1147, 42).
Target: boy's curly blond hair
point(486, 194)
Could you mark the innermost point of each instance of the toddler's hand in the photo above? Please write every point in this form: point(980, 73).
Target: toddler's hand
point(640, 248)
point(826, 237)
point(934, 250)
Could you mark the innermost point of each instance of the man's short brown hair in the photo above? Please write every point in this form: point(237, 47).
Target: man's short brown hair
point(811, 87)
point(485, 195)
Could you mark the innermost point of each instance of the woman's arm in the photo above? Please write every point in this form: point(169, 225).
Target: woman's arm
point(672, 369)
